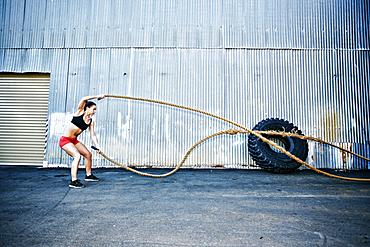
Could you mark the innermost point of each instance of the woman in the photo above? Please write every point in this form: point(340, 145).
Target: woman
point(69, 143)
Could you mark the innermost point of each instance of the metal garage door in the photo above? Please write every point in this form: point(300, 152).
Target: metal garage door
point(23, 117)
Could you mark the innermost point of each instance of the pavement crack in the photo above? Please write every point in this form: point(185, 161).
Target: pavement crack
point(56, 205)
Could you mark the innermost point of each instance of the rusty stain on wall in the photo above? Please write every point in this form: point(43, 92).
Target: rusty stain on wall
point(330, 125)
point(347, 158)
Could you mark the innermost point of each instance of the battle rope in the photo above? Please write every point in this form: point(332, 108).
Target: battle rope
point(233, 132)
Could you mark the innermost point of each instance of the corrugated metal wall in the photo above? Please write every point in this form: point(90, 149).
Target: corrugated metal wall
point(304, 61)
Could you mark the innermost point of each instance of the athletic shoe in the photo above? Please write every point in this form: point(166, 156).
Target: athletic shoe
point(91, 178)
point(76, 184)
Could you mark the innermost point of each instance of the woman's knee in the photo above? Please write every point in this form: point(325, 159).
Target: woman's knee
point(88, 155)
point(77, 156)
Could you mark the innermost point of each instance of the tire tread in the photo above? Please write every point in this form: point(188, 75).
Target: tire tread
point(277, 165)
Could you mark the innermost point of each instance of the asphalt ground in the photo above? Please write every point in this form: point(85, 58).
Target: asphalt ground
point(190, 208)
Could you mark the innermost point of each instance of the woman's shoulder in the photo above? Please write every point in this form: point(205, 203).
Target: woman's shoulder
point(78, 113)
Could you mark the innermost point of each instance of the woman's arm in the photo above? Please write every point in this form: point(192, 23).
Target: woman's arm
point(93, 136)
point(83, 101)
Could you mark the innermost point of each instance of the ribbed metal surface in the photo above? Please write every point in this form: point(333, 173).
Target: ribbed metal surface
point(274, 24)
point(23, 113)
point(304, 61)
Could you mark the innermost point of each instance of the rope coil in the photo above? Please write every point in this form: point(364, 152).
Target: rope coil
point(234, 132)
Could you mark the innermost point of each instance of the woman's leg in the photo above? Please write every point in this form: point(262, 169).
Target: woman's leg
point(86, 153)
point(71, 149)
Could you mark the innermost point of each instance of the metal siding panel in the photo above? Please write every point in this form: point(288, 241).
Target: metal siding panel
point(142, 86)
point(164, 123)
point(2, 58)
point(359, 89)
point(297, 24)
point(79, 72)
point(12, 25)
point(14, 60)
point(36, 60)
point(99, 24)
point(2, 24)
point(165, 23)
point(120, 27)
point(56, 24)
point(34, 24)
point(76, 23)
point(364, 27)
point(57, 115)
point(118, 122)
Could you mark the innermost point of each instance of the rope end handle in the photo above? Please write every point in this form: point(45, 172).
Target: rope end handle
point(95, 148)
point(101, 96)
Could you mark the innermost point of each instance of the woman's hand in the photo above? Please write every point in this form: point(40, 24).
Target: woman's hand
point(98, 150)
point(101, 96)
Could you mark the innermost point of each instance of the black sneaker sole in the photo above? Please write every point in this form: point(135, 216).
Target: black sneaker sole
point(78, 187)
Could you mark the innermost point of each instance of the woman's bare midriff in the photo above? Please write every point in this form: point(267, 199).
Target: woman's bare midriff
point(72, 131)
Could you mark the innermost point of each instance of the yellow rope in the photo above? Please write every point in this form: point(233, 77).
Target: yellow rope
point(310, 139)
point(233, 132)
point(171, 172)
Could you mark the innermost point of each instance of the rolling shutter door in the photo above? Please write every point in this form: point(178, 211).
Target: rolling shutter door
point(23, 117)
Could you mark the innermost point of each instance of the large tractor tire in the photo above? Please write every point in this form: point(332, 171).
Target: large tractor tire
point(269, 158)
